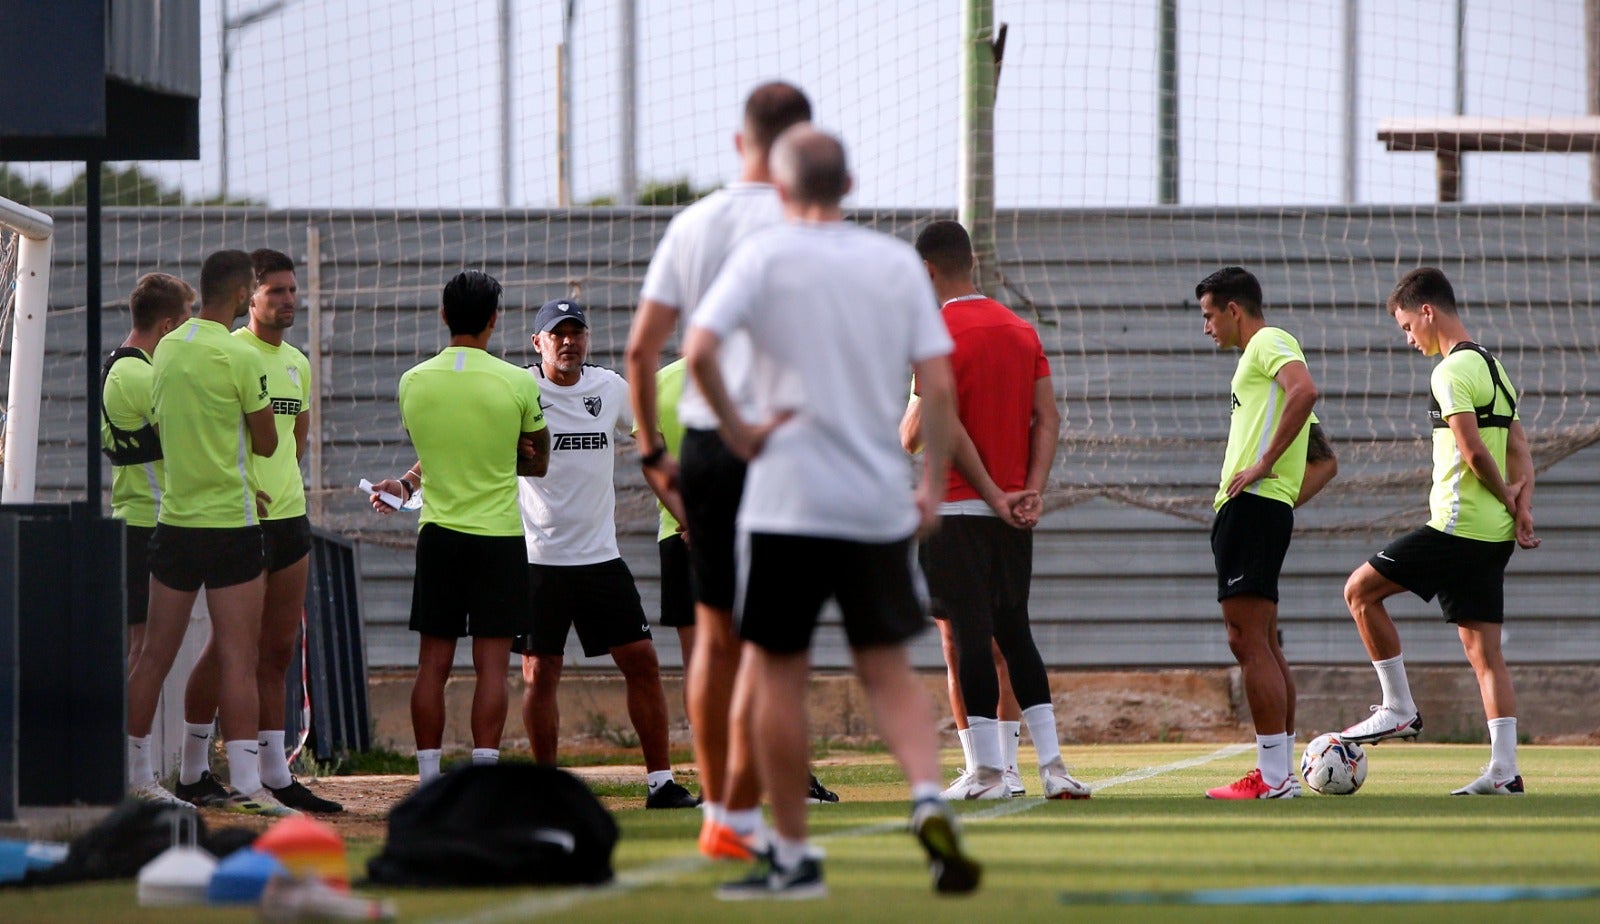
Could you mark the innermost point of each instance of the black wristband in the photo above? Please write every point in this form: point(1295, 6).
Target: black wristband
point(651, 458)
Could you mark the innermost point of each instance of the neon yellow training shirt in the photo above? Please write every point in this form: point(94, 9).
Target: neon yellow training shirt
point(1258, 402)
point(1460, 504)
point(465, 411)
point(205, 382)
point(289, 390)
point(669, 388)
point(135, 489)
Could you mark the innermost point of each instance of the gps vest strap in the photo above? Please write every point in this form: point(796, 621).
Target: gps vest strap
point(128, 447)
point(1484, 412)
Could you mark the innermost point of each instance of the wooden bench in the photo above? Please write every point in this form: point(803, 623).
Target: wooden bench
point(1448, 137)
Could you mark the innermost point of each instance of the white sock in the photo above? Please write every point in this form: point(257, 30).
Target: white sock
point(1270, 760)
point(428, 764)
point(274, 763)
point(1010, 740)
point(1503, 745)
point(921, 792)
point(742, 821)
point(787, 853)
point(714, 812)
point(1041, 721)
point(139, 769)
point(1288, 754)
point(985, 743)
point(485, 757)
point(244, 765)
point(196, 752)
point(1396, 689)
point(965, 734)
point(655, 779)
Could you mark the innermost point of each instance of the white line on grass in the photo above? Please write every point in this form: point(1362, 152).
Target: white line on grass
point(674, 867)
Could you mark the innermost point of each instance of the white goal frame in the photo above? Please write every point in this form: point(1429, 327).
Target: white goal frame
point(36, 231)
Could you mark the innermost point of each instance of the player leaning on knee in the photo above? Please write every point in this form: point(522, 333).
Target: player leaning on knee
point(128, 433)
point(1263, 474)
point(576, 575)
point(1481, 509)
point(469, 414)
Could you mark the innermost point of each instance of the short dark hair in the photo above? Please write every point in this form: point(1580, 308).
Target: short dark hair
point(1232, 284)
point(266, 260)
point(947, 246)
point(470, 301)
point(223, 273)
point(1423, 285)
point(771, 108)
point(158, 296)
point(811, 166)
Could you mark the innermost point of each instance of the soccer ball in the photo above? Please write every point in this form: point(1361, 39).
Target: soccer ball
point(1333, 766)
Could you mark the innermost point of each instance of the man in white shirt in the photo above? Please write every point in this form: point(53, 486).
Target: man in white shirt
point(576, 576)
point(827, 513)
point(694, 248)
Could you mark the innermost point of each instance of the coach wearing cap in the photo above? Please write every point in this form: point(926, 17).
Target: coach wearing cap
point(576, 575)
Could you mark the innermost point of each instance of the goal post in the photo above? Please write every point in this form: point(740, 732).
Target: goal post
point(27, 301)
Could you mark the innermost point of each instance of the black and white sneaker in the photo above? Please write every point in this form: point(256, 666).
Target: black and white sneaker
point(1383, 724)
point(206, 792)
point(954, 873)
point(819, 793)
point(773, 882)
point(670, 795)
point(297, 796)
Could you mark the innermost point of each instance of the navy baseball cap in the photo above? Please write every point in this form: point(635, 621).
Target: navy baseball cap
point(554, 312)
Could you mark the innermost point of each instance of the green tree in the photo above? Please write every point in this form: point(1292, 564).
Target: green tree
point(129, 186)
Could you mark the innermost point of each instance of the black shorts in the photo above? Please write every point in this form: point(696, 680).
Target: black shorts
point(1249, 539)
point(470, 585)
point(600, 600)
point(1467, 575)
point(976, 565)
point(187, 558)
point(712, 481)
point(677, 591)
point(136, 549)
point(786, 580)
point(287, 541)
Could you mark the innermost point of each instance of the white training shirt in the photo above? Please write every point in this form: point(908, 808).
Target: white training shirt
point(836, 316)
point(569, 515)
point(697, 243)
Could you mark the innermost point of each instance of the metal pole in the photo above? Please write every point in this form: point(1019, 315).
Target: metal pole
point(1591, 45)
point(222, 97)
point(975, 166)
point(91, 336)
point(1167, 104)
point(1455, 165)
point(1352, 102)
point(319, 374)
point(505, 103)
point(564, 109)
point(628, 180)
point(27, 350)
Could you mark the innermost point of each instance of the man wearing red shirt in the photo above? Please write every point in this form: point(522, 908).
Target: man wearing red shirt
point(979, 564)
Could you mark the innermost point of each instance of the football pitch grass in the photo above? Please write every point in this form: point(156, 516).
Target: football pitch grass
point(1139, 850)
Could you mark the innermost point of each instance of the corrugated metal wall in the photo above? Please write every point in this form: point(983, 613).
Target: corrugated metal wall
point(1122, 565)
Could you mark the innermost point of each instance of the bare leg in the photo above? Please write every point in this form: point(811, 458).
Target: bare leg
point(710, 691)
point(1250, 620)
point(901, 708)
point(280, 625)
point(491, 658)
point(135, 644)
point(163, 636)
point(952, 673)
point(435, 655)
point(235, 635)
point(541, 712)
point(1481, 641)
point(1288, 675)
point(1364, 594)
point(203, 689)
point(686, 636)
point(647, 703)
point(781, 733)
point(742, 789)
point(1010, 710)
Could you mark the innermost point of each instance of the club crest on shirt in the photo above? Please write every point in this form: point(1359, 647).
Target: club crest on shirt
point(591, 403)
point(294, 375)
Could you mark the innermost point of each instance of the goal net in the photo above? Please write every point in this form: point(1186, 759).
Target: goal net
point(379, 162)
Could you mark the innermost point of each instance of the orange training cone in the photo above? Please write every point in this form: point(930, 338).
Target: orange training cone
point(308, 847)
